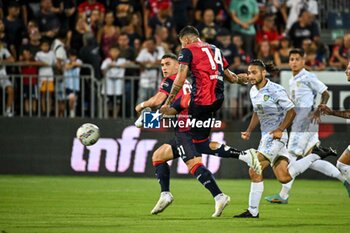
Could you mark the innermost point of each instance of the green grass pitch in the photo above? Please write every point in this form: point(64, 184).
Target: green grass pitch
point(99, 204)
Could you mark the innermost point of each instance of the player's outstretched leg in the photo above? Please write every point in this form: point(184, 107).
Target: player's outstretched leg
point(204, 176)
point(221, 150)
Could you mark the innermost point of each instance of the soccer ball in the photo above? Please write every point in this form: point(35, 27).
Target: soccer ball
point(88, 134)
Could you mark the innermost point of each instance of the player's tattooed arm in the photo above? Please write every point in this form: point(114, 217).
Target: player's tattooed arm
point(178, 83)
point(324, 97)
point(316, 116)
point(343, 114)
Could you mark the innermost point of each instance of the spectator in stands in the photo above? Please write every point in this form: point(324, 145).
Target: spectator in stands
point(304, 28)
point(123, 14)
point(81, 28)
point(47, 60)
point(134, 29)
point(229, 50)
point(72, 80)
point(222, 15)
point(86, 8)
point(268, 31)
point(161, 19)
point(150, 9)
point(264, 51)
point(65, 11)
point(48, 21)
point(243, 56)
point(311, 60)
point(182, 13)
point(334, 62)
point(32, 39)
point(14, 28)
point(126, 51)
point(281, 55)
point(5, 83)
point(1, 11)
point(149, 59)
point(296, 7)
point(207, 27)
point(90, 53)
point(162, 38)
point(30, 81)
point(60, 53)
point(113, 69)
point(94, 23)
point(343, 54)
point(244, 15)
point(129, 54)
point(109, 33)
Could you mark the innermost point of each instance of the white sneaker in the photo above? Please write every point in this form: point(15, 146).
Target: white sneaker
point(164, 201)
point(221, 201)
point(251, 158)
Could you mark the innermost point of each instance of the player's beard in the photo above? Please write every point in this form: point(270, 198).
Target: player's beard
point(259, 80)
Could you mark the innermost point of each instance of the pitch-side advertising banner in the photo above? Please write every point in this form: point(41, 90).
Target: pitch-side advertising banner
point(48, 146)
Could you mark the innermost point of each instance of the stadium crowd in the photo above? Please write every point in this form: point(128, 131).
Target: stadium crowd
point(55, 37)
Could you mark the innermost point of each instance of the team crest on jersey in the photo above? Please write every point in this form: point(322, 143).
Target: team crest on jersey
point(298, 83)
point(165, 84)
point(266, 97)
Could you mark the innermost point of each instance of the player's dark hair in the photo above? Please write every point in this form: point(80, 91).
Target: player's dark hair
point(188, 30)
point(269, 67)
point(299, 51)
point(170, 55)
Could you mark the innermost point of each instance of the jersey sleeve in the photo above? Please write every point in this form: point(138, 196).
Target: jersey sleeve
point(315, 84)
point(181, 103)
point(185, 56)
point(283, 99)
point(224, 61)
point(165, 86)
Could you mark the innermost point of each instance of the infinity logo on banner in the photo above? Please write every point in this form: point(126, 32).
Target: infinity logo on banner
point(120, 153)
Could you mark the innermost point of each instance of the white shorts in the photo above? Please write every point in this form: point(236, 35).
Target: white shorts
point(273, 149)
point(301, 142)
point(5, 82)
point(303, 137)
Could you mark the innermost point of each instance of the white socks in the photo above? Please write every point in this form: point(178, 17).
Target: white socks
point(256, 190)
point(328, 169)
point(285, 189)
point(344, 169)
point(299, 166)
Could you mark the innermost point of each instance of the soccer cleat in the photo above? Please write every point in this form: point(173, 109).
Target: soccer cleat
point(221, 201)
point(324, 152)
point(276, 199)
point(246, 214)
point(164, 201)
point(347, 186)
point(253, 161)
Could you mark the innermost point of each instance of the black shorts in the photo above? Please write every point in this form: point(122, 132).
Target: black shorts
point(183, 147)
point(203, 113)
point(30, 91)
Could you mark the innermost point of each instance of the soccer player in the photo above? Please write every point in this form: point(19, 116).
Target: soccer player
point(343, 163)
point(208, 70)
point(275, 112)
point(303, 137)
point(174, 148)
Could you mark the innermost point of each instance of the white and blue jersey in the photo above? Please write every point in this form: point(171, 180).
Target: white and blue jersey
point(304, 88)
point(271, 104)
